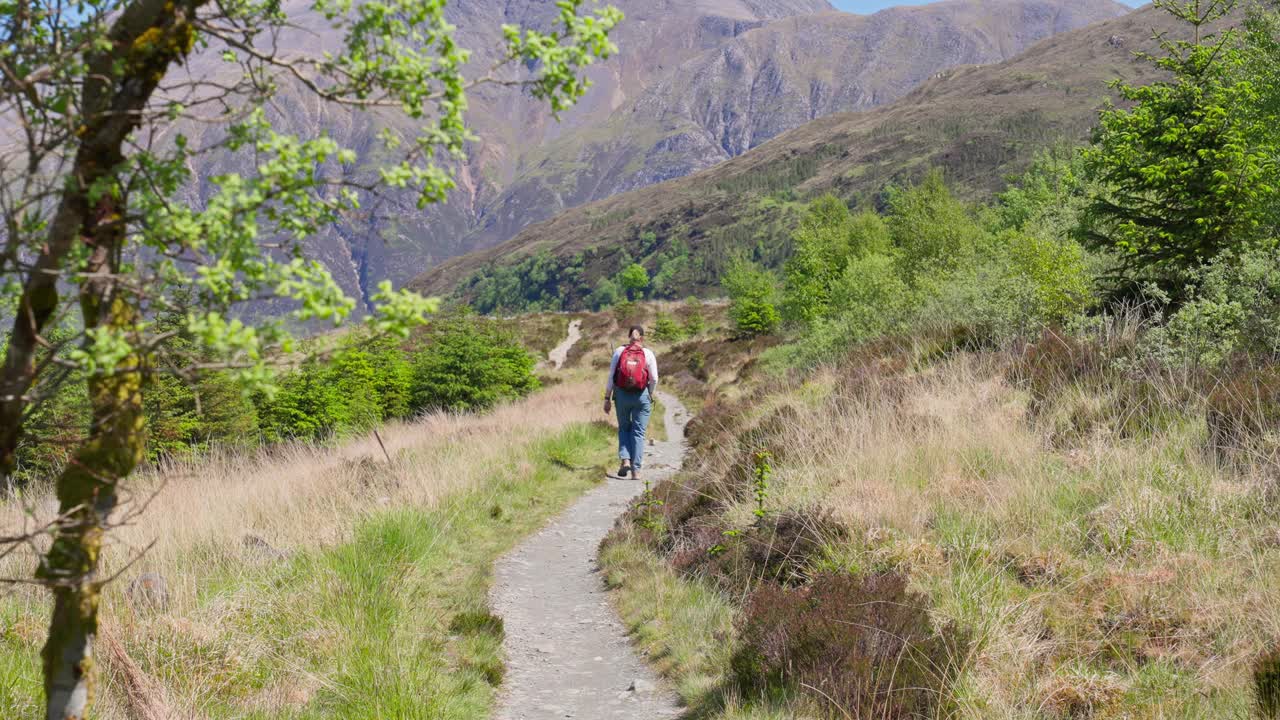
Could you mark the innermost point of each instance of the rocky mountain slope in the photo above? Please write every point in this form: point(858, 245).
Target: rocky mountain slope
point(761, 79)
point(696, 82)
point(391, 237)
point(978, 123)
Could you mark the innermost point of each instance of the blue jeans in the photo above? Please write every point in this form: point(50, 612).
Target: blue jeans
point(633, 410)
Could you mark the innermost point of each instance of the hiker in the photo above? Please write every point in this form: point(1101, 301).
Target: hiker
point(633, 375)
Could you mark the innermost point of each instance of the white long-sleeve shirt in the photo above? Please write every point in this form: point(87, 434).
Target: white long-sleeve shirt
point(650, 361)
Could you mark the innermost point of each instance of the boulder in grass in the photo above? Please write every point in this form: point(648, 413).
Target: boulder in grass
point(149, 593)
point(263, 550)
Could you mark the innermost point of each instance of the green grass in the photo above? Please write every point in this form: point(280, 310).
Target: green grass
point(391, 623)
point(658, 422)
point(20, 682)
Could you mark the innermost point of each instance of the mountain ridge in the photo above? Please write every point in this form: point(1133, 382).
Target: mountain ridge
point(978, 123)
point(670, 103)
point(763, 81)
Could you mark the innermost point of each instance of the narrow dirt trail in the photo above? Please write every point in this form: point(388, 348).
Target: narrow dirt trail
point(567, 653)
point(560, 353)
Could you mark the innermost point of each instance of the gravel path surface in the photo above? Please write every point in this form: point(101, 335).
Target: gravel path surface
point(560, 353)
point(567, 654)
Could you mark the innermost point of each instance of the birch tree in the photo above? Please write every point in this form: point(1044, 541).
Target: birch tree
point(94, 116)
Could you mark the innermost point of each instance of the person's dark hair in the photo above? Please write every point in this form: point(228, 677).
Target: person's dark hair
point(635, 330)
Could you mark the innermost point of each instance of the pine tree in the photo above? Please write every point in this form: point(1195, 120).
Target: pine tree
point(1188, 167)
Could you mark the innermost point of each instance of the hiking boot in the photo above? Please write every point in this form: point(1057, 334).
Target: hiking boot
point(635, 474)
point(623, 469)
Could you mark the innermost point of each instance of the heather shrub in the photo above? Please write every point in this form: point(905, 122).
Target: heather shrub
point(1055, 361)
point(874, 372)
point(1243, 416)
point(1082, 385)
point(860, 646)
point(712, 423)
point(1266, 683)
point(776, 549)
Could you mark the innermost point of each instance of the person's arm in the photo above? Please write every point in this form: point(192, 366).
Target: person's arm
point(608, 383)
point(653, 370)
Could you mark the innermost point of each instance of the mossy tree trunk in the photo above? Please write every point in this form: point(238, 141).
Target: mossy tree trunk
point(146, 39)
point(87, 493)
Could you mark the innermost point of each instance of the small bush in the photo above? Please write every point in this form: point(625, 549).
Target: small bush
point(867, 301)
point(1243, 414)
point(627, 313)
point(1266, 684)
point(1233, 308)
point(308, 405)
point(666, 329)
point(933, 230)
point(694, 322)
point(862, 646)
point(753, 293)
point(698, 366)
point(828, 240)
point(468, 363)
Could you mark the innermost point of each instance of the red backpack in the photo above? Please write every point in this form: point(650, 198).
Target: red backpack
point(633, 369)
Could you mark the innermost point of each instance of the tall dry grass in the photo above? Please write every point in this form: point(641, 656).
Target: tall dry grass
point(202, 523)
point(1120, 574)
point(306, 495)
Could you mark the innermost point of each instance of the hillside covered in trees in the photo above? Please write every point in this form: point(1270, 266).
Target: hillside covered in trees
point(975, 124)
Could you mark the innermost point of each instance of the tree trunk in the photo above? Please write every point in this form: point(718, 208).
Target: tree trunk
point(88, 488)
point(146, 38)
point(87, 493)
